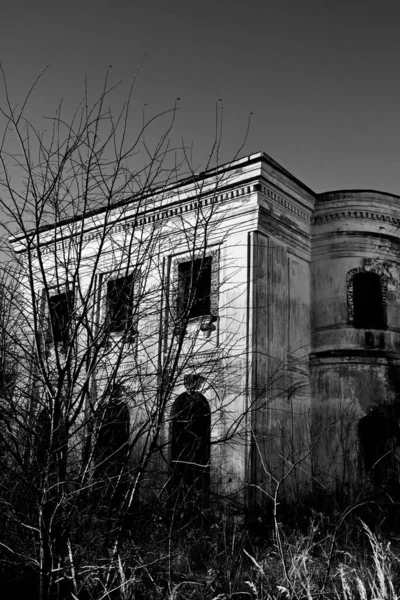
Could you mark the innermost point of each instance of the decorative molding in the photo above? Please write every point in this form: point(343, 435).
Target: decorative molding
point(159, 215)
point(271, 195)
point(127, 366)
point(193, 382)
point(376, 265)
point(355, 214)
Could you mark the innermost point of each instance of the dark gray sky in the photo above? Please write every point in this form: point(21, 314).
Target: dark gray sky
point(321, 77)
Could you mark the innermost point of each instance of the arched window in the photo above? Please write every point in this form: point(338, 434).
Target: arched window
point(111, 449)
point(368, 301)
point(190, 449)
point(379, 445)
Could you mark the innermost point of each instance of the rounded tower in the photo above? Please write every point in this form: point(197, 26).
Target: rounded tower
point(355, 323)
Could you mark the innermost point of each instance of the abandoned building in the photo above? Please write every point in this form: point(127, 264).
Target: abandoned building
point(286, 305)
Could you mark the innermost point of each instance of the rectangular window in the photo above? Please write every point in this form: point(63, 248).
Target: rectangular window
point(119, 303)
point(368, 302)
point(8, 379)
point(60, 313)
point(194, 287)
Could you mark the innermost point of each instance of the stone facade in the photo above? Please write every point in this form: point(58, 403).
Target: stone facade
point(284, 351)
point(355, 366)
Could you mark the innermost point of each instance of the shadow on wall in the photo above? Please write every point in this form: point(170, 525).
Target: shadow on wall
point(380, 450)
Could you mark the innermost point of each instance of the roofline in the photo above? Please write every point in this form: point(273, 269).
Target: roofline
point(278, 167)
point(261, 157)
point(325, 195)
point(254, 158)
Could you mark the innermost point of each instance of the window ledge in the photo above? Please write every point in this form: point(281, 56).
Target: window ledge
point(116, 337)
point(204, 323)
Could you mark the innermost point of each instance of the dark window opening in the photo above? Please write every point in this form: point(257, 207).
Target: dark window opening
point(120, 303)
point(190, 449)
point(368, 301)
point(8, 380)
point(195, 287)
point(60, 312)
point(112, 444)
point(379, 445)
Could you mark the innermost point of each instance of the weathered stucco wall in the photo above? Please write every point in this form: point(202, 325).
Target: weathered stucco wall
point(354, 370)
point(281, 342)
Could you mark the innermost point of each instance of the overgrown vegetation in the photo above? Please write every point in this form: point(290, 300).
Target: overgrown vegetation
point(223, 556)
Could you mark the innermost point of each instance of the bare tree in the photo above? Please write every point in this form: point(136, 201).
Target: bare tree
point(117, 284)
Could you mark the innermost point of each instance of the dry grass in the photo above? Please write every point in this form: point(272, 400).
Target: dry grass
point(223, 563)
point(220, 560)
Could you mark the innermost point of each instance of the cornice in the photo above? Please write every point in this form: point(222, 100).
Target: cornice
point(284, 203)
point(349, 355)
point(354, 214)
point(176, 209)
point(363, 195)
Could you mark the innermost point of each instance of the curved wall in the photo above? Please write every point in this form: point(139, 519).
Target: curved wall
point(355, 371)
